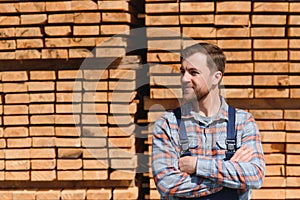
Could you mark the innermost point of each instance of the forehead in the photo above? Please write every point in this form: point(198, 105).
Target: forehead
point(198, 60)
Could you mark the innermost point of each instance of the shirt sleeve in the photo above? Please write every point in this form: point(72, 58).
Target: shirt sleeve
point(170, 181)
point(237, 175)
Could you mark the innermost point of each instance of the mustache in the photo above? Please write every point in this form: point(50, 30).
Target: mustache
point(187, 85)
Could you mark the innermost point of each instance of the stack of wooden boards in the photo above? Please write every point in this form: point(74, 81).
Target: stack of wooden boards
point(261, 42)
point(65, 29)
point(68, 114)
point(68, 100)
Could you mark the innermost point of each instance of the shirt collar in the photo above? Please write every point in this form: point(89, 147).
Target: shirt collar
point(188, 111)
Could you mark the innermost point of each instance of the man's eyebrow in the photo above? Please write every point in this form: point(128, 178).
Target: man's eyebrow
point(193, 68)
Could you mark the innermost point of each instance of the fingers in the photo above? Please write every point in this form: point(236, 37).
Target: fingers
point(244, 154)
point(187, 164)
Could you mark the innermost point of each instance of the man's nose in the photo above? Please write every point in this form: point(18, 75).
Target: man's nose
point(185, 77)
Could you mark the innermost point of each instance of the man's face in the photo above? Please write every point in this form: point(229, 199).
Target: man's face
point(196, 77)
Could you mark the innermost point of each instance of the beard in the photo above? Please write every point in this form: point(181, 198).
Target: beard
point(191, 94)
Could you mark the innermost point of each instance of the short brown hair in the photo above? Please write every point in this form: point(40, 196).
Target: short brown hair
point(215, 57)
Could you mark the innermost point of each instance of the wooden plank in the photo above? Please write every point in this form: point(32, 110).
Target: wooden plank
point(275, 159)
point(169, 93)
point(241, 80)
point(159, 68)
point(293, 159)
point(295, 93)
point(122, 175)
point(237, 92)
point(292, 193)
point(162, 20)
point(57, 30)
point(270, 7)
point(275, 170)
point(273, 147)
point(239, 6)
point(199, 32)
point(293, 181)
point(110, 52)
point(113, 5)
point(113, 29)
point(165, 80)
point(162, 8)
point(234, 44)
point(80, 53)
point(268, 32)
point(294, 7)
point(153, 116)
point(196, 7)
point(293, 170)
point(271, 125)
point(270, 43)
point(164, 44)
point(293, 137)
point(271, 182)
point(123, 108)
point(238, 55)
point(233, 32)
point(294, 19)
point(124, 163)
point(269, 194)
point(280, 55)
point(162, 57)
point(121, 131)
point(267, 80)
point(129, 193)
point(200, 19)
point(292, 114)
point(116, 17)
point(120, 119)
point(122, 74)
point(269, 19)
point(292, 148)
point(272, 67)
point(267, 114)
point(102, 193)
point(154, 195)
point(272, 93)
point(232, 20)
point(294, 55)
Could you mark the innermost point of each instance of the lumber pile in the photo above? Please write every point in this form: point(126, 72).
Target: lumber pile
point(72, 118)
point(65, 29)
point(69, 126)
point(260, 40)
point(68, 100)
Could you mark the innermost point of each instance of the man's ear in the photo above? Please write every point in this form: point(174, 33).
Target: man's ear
point(217, 77)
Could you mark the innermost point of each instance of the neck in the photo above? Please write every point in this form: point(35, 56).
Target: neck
point(210, 104)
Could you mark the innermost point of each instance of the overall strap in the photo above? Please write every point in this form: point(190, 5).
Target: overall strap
point(184, 141)
point(231, 133)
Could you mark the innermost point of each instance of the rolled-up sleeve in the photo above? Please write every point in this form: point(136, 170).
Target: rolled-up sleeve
point(170, 181)
point(237, 175)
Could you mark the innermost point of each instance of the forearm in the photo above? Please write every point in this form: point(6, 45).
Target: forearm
point(175, 183)
point(171, 181)
point(237, 175)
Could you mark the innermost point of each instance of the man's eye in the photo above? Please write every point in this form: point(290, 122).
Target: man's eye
point(193, 72)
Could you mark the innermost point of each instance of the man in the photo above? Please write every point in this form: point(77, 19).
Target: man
point(205, 174)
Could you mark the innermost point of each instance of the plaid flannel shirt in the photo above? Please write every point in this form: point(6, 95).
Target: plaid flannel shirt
point(207, 142)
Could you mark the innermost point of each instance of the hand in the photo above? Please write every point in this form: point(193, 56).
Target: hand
point(188, 164)
point(243, 154)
